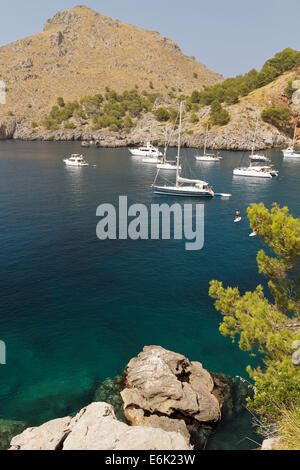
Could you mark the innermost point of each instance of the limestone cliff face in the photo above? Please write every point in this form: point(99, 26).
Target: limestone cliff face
point(80, 52)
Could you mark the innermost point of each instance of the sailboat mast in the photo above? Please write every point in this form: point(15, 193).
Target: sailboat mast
point(254, 138)
point(294, 138)
point(205, 142)
point(179, 142)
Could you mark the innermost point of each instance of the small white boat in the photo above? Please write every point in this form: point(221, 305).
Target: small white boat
point(207, 157)
point(290, 152)
point(147, 150)
point(256, 171)
point(183, 186)
point(259, 158)
point(168, 165)
point(75, 160)
point(154, 160)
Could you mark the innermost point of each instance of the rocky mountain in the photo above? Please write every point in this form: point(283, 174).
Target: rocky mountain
point(80, 52)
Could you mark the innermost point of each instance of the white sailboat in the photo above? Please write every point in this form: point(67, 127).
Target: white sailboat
point(256, 171)
point(290, 152)
point(183, 186)
point(207, 157)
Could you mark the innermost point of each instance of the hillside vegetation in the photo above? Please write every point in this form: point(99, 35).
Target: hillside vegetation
point(81, 52)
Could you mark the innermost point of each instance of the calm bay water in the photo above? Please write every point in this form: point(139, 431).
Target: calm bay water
point(75, 309)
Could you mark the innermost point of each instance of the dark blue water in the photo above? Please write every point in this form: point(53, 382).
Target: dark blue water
point(75, 309)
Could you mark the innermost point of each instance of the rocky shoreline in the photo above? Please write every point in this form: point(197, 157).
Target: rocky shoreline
point(163, 401)
point(237, 135)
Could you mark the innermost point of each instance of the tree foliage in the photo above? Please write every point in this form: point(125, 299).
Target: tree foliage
point(278, 117)
point(268, 324)
point(162, 114)
point(231, 89)
point(218, 115)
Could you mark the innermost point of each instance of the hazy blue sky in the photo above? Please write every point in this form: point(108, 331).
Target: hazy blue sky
point(229, 36)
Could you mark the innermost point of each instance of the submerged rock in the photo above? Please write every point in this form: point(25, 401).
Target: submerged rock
point(96, 428)
point(110, 392)
point(9, 429)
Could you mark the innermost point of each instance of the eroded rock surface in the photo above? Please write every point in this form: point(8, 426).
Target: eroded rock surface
point(167, 389)
point(96, 428)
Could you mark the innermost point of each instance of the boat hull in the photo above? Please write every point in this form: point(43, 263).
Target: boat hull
point(75, 164)
point(139, 153)
point(253, 174)
point(291, 155)
point(182, 191)
point(168, 166)
point(208, 159)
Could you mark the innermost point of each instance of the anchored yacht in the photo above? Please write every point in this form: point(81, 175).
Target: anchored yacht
point(290, 151)
point(147, 150)
point(75, 160)
point(183, 186)
point(207, 157)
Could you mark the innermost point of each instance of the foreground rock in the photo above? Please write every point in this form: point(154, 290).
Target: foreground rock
point(164, 389)
point(271, 444)
point(96, 428)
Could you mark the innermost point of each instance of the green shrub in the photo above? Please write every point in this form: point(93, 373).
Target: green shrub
point(278, 117)
point(162, 114)
point(218, 115)
point(113, 128)
point(34, 124)
point(128, 124)
point(289, 90)
point(69, 125)
point(174, 115)
point(60, 102)
point(50, 124)
point(194, 118)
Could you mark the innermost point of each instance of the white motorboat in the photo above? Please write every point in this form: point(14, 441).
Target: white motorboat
point(147, 150)
point(259, 158)
point(183, 186)
point(256, 171)
point(75, 160)
point(290, 152)
point(207, 157)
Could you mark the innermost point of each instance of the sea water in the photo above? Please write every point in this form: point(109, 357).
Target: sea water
point(74, 310)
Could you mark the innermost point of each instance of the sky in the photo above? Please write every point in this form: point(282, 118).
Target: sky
point(229, 36)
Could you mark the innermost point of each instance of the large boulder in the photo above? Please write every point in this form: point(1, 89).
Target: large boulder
point(167, 390)
point(96, 428)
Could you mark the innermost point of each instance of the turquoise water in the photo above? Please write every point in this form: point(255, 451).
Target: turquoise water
point(75, 309)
